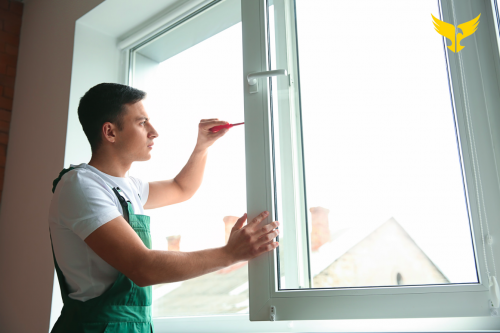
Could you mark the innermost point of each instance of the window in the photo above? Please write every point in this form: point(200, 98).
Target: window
point(192, 71)
point(383, 178)
point(379, 181)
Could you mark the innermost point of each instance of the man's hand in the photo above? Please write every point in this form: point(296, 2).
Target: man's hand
point(118, 244)
point(252, 240)
point(207, 138)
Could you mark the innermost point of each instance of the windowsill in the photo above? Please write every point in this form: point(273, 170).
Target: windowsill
point(228, 323)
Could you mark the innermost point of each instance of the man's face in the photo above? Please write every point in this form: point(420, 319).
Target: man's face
point(135, 140)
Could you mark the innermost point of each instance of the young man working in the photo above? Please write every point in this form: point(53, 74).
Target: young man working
point(100, 235)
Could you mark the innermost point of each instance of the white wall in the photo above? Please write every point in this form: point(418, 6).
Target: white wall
point(95, 60)
point(34, 158)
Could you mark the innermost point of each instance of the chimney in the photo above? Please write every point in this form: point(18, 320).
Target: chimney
point(174, 242)
point(229, 222)
point(320, 233)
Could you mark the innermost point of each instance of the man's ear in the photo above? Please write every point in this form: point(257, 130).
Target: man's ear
point(109, 132)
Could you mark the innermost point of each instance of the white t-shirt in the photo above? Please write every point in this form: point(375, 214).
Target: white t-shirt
point(81, 203)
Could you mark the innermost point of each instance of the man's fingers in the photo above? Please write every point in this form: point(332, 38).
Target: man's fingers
point(209, 119)
point(212, 123)
point(239, 223)
point(222, 131)
point(268, 227)
point(267, 238)
point(268, 247)
point(259, 218)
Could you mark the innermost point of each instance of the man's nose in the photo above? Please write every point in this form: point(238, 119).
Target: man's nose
point(153, 133)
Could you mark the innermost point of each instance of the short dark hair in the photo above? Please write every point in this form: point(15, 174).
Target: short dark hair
point(103, 103)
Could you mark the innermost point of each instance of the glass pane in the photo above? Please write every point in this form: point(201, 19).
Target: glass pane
point(383, 188)
point(201, 82)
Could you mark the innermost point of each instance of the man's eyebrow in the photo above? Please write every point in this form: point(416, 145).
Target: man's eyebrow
point(141, 118)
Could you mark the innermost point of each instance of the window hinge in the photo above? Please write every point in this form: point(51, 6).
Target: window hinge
point(290, 80)
point(272, 313)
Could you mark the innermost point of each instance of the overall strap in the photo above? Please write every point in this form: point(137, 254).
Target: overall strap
point(117, 191)
point(60, 275)
point(56, 181)
point(124, 203)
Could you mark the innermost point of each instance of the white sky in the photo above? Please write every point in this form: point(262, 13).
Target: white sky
point(180, 95)
point(378, 128)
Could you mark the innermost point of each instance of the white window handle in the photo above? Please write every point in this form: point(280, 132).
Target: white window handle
point(252, 78)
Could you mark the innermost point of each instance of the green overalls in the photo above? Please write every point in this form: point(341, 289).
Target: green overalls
point(124, 307)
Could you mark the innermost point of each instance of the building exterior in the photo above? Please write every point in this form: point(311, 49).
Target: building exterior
point(388, 256)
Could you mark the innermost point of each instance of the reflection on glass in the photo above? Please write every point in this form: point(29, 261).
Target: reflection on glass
point(385, 197)
point(178, 98)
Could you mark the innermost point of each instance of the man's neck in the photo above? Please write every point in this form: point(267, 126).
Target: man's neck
point(109, 165)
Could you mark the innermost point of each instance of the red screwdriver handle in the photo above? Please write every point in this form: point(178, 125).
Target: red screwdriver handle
point(215, 129)
point(218, 128)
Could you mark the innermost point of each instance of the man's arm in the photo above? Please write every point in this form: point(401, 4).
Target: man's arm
point(188, 181)
point(183, 186)
point(118, 244)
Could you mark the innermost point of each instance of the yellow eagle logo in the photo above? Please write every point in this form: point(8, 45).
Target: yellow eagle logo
point(448, 30)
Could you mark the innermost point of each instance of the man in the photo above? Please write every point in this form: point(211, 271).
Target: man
point(100, 235)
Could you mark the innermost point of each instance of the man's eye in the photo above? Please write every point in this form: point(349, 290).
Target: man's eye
point(143, 123)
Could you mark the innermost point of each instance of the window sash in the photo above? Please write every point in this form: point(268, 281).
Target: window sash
point(478, 68)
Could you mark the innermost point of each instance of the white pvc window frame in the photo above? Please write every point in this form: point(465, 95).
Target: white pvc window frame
point(474, 77)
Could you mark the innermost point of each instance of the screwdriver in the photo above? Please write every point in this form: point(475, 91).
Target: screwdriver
point(218, 128)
